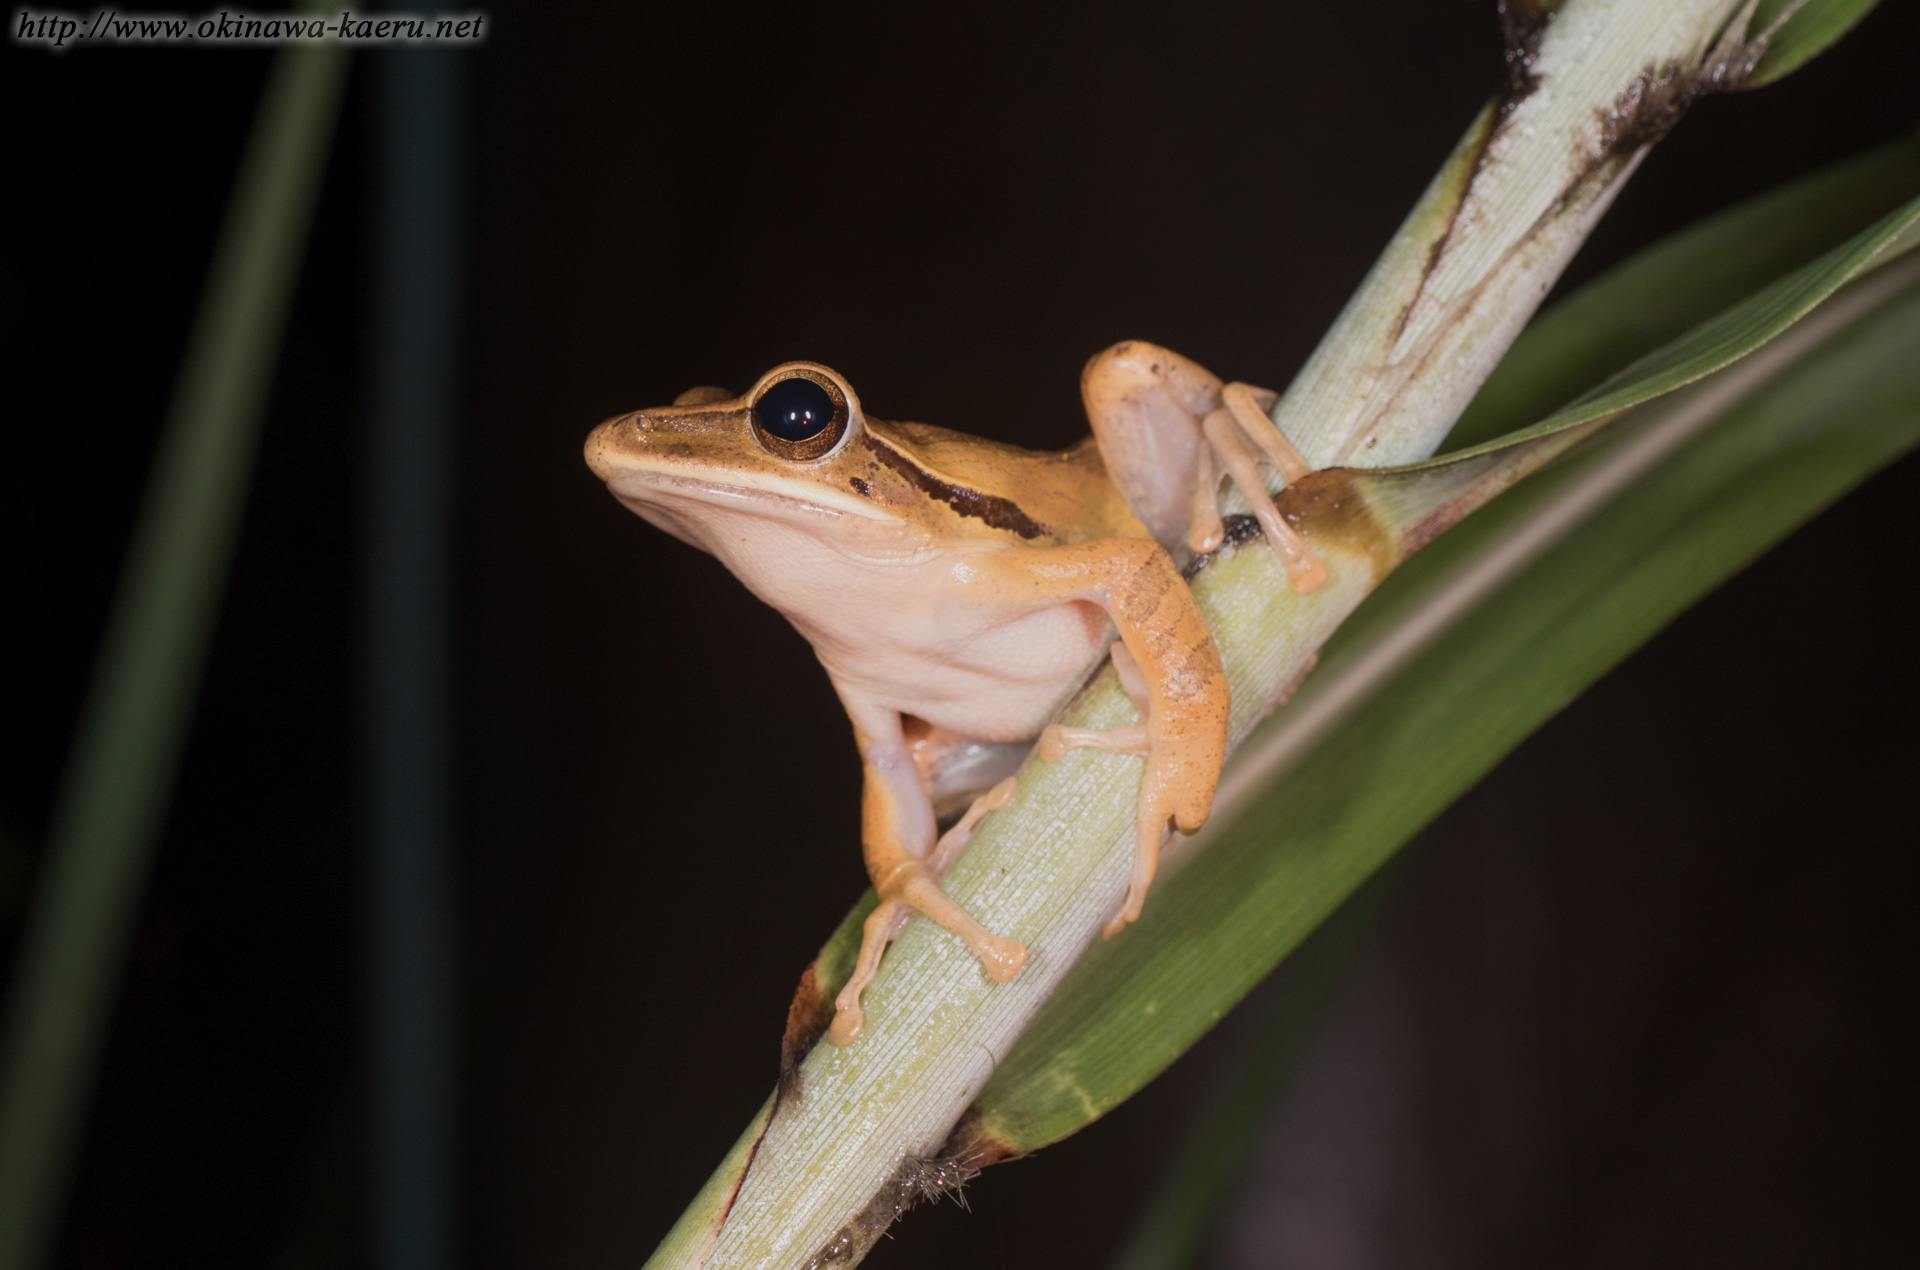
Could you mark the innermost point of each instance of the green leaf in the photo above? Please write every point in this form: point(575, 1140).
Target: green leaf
point(1711, 346)
point(1411, 704)
point(1849, 405)
point(1175, 1225)
point(1680, 282)
point(1810, 26)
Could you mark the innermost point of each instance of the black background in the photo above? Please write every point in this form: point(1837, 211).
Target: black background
point(1705, 1053)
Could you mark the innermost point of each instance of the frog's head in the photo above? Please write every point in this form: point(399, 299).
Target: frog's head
point(787, 450)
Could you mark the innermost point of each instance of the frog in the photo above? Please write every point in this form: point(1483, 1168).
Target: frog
point(958, 591)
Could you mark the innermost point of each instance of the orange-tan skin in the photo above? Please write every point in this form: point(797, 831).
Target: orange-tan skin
point(958, 589)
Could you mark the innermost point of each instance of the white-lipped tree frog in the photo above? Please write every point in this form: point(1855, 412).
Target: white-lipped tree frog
point(959, 590)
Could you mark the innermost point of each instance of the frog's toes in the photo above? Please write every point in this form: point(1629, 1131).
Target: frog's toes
point(848, 1021)
point(915, 891)
point(1001, 957)
point(1234, 433)
point(954, 840)
point(1058, 739)
point(882, 924)
point(1130, 907)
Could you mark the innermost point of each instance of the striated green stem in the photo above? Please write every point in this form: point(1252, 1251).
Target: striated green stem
point(1592, 90)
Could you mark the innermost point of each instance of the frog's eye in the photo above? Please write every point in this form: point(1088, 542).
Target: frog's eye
point(801, 416)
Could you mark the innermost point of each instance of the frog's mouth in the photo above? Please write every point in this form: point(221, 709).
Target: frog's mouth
point(663, 479)
point(645, 489)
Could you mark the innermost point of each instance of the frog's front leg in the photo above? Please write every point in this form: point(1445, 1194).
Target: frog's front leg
point(1180, 680)
point(1167, 427)
point(905, 863)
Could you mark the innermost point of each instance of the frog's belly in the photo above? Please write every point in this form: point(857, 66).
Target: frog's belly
point(890, 632)
point(989, 674)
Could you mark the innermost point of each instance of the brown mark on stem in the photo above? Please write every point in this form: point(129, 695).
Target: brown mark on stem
point(973, 1142)
point(1522, 22)
point(918, 1180)
point(733, 1191)
point(1643, 112)
point(1329, 509)
point(1646, 110)
point(1521, 25)
point(1485, 127)
point(809, 1015)
point(726, 1210)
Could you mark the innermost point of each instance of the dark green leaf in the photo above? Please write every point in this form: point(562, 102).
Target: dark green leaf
point(1681, 281)
point(1403, 744)
point(1810, 26)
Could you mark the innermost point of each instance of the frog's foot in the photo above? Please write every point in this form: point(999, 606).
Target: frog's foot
point(1058, 739)
point(914, 886)
point(1166, 660)
point(883, 923)
point(1000, 957)
point(1131, 739)
point(954, 840)
point(1158, 812)
point(1164, 798)
point(1146, 862)
point(1239, 435)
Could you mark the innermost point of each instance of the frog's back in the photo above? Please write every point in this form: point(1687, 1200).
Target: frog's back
point(961, 487)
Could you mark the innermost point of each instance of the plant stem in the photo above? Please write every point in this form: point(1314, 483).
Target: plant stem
point(1515, 200)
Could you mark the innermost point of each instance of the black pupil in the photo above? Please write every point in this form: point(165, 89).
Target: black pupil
point(794, 409)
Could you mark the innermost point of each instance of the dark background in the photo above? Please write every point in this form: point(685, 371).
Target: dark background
point(1642, 998)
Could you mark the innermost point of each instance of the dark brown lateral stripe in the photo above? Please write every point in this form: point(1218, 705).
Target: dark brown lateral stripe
point(997, 512)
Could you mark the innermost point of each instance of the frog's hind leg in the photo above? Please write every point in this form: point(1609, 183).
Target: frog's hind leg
point(1168, 429)
point(1134, 739)
point(1167, 661)
point(905, 863)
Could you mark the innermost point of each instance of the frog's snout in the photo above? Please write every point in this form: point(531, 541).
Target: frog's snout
point(603, 443)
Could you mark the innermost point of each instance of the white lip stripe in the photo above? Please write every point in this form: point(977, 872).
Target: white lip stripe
point(739, 493)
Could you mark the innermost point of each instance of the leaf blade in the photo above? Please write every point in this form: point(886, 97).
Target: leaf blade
point(1809, 29)
point(1635, 307)
point(1128, 1009)
point(1725, 338)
